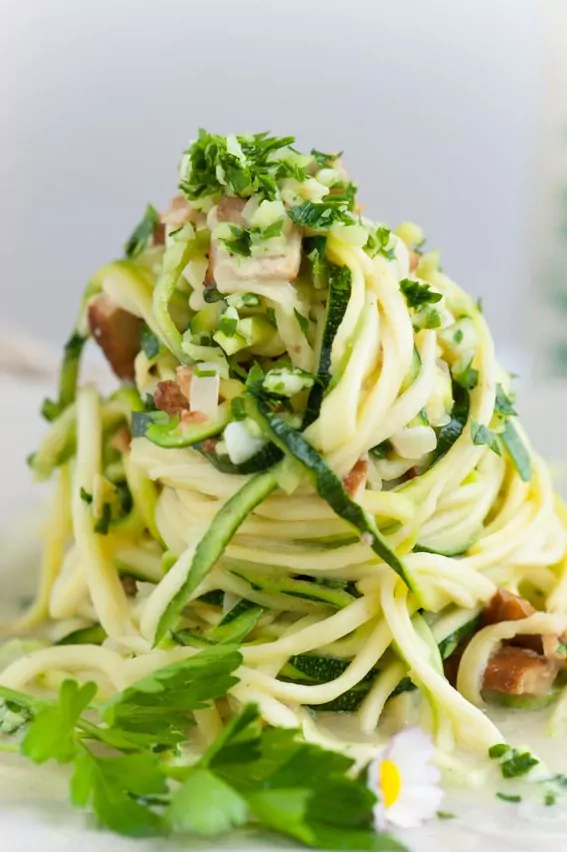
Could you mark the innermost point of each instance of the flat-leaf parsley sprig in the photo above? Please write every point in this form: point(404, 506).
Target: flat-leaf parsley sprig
point(130, 768)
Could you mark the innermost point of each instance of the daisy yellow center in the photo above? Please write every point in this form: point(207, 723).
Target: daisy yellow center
point(390, 782)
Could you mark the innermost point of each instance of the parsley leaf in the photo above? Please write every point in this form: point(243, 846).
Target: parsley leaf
point(206, 805)
point(467, 378)
point(237, 165)
point(149, 342)
point(378, 243)
point(314, 248)
point(509, 798)
point(142, 234)
point(240, 242)
point(103, 523)
point(111, 785)
point(324, 161)
point(519, 763)
point(302, 321)
point(86, 497)
point(503, 403)
point(157, 705)
point(517, 451)
point(319, 215)
point(417, 294)
point(481, 434)
point(445, 815)
point(513, 763)
point(51, 734)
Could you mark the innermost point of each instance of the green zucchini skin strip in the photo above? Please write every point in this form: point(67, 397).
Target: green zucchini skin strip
point(339, 294)
point(293, 587)
point(264, 459)
point(175, 260)
point(210, 548)
point(328, 484)
point(94, 635)
point(459, 415)
point(68, 377)
point(168, 434)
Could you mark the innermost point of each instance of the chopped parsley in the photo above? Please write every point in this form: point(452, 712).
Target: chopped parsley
point(325, 161)
point(379, 243)
point(240, 242)
point(211, 295)
point(467, 378)
point(503, 404)
point(303, 321)
point(445, 815)
point(149, 343)
point(513, 763)
point(142, 233)
point(509, 798)
point(243, 239)
point(314, 248)
point(418, 294)
point(458, 336)
point(320, 215)
point(103, 523)
point(481, 434)
point(549, 798)
point(85, 496)
point(237, 165)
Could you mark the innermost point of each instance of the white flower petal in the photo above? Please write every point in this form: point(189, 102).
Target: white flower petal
point(414, 806)
point(410, 746)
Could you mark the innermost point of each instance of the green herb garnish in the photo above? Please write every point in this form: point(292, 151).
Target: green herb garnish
point(142, 233)
point(418, 294)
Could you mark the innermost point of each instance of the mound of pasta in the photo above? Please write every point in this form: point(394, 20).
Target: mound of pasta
point(311, 454)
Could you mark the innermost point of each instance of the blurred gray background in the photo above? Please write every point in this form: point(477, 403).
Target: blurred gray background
point(435, 102)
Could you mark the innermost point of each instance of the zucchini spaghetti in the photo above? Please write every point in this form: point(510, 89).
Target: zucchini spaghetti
point(312, 453)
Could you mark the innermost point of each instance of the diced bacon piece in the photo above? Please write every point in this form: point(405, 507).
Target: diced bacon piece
point(356, 479)
point(413, 259)
point(188, 418)
point(180, 211)
point(117, 333)
point(184, 375)
point(169, 398)
point(519, 671)
point(129, 585)
point(224, 268)
point(229, 209)
point(505, 606)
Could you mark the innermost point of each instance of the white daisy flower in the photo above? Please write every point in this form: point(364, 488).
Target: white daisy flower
point(405, 781)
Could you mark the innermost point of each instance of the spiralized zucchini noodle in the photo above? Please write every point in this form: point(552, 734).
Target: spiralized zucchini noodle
point(312, 452)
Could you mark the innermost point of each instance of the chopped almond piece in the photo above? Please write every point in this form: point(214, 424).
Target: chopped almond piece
point(117, 333)
point(169, 398)
point(356, 479)
point(519, 671)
